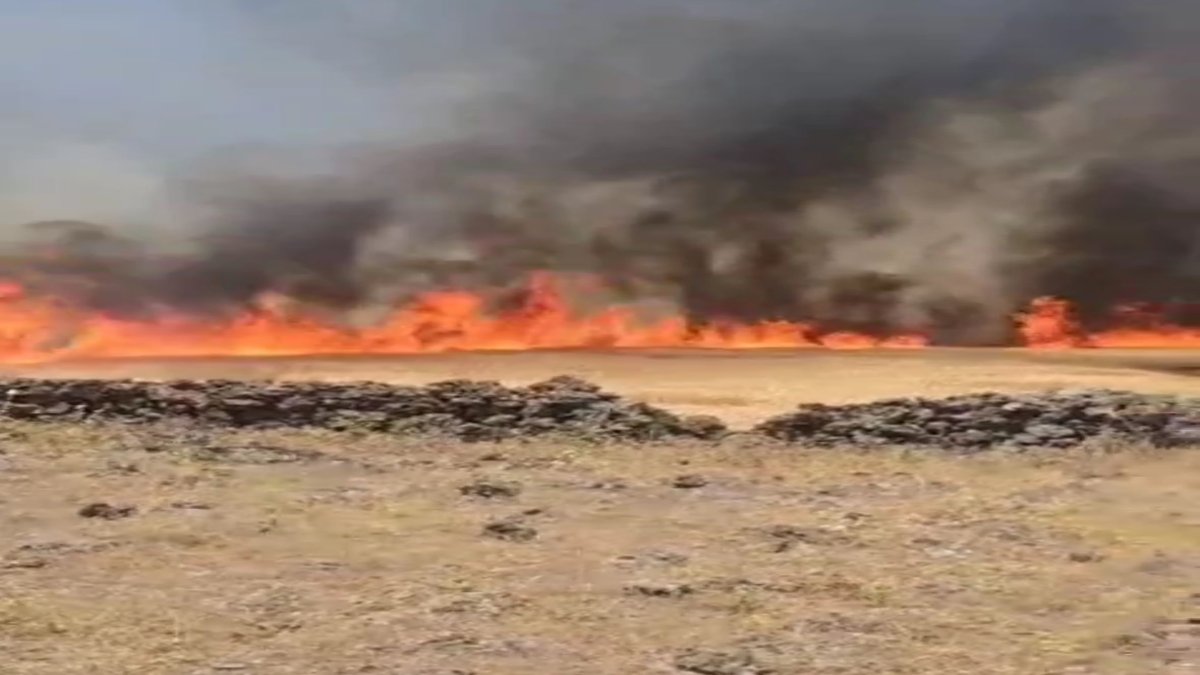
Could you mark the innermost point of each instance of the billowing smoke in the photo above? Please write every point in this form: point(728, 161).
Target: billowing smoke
point(868, 164)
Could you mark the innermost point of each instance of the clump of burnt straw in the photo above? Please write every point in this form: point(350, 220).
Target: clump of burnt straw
point(487, 411)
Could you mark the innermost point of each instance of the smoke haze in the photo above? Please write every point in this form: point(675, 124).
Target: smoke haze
point(872, 165)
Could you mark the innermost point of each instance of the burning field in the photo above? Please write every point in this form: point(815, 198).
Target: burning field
point(1000, 174)
point(272, 494)
point(536, 337)
point(39, 329)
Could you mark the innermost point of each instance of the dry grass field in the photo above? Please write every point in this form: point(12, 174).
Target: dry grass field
point(298, 552)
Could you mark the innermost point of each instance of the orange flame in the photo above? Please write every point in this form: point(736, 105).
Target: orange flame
point(34, 329)
point(1050, 323)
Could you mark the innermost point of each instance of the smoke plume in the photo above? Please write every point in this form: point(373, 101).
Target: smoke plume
point(866, 164)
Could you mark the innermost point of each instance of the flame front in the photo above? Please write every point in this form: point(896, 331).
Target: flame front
point(1050, 323)
point(34, 329)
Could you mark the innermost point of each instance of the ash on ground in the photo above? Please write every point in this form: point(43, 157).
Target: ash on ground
point(1056, 419)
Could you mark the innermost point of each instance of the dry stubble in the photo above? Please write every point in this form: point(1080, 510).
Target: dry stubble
point(367, 557)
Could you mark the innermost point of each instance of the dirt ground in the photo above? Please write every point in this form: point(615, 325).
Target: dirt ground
point(173, 550)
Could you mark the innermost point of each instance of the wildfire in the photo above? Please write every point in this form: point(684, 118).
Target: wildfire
point(34, 329)
point(1049, 323)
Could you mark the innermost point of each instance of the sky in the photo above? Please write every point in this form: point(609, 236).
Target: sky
point(104, 99)
point(167, 78)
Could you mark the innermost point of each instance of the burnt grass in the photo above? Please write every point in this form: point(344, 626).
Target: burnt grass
point(488, 411)
point(466, 410)
point(1055, 419)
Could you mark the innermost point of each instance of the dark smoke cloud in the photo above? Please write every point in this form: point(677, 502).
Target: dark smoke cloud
point(870, 164)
